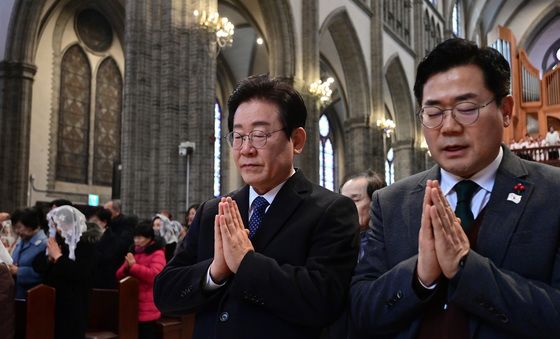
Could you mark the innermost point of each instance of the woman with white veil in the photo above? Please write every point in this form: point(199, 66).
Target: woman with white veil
point(67, 266)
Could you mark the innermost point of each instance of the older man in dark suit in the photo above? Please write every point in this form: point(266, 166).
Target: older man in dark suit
point(472, 251)
point(275, 258)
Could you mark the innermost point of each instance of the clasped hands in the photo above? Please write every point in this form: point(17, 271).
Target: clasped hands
point(442, 242)
point(231, 241)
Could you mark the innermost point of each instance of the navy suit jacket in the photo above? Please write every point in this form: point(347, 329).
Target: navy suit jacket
point(295, 282)
point(509, 286)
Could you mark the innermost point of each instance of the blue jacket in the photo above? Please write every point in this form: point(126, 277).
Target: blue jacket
point(23, 255)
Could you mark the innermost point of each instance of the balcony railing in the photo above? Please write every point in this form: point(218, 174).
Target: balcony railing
point(547, 154)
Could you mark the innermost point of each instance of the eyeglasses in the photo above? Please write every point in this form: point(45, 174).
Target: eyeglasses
point(465, 113)
point(256, 138)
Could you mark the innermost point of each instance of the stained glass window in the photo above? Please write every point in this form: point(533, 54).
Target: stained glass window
point(73, 121)
point(326, 154)
point(390, 167)
point(457, 19)
point(108, 103)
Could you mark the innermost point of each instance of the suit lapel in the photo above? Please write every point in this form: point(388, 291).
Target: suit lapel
point(416, 201)
point(502, 216)
point(282, 208)
point(241, 197)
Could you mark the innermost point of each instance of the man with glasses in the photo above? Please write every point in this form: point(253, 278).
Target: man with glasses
point(469, 248)
point(273, 259)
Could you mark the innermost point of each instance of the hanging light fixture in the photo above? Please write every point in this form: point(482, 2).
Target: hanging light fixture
point(222, 27)
point(322, 90)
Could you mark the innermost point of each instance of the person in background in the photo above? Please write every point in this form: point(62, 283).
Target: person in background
point(122, 225)
point(144, 261)
point(109, 249)
point(8, 236)
point(360, 187)
point(68, 267)
point(169, 232)
point(7, 295)
point(468, 248)
point(31, 244)
point(189, 217)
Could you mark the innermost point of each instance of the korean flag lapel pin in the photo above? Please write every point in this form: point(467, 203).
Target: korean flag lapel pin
point(515, 197)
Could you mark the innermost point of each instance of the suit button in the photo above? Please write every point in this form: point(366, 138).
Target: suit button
point(399, 294)
point(224, 317)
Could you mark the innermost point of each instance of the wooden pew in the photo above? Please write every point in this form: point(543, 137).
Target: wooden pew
point(35, 316)
point(176, 327)
point(113, 313)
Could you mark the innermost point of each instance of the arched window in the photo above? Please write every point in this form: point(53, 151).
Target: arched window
point(457, 19)
point(217, 147)
point(326, 154)
point(390, 167)
point(73, 122)
point(108, 104)
point(89, 127)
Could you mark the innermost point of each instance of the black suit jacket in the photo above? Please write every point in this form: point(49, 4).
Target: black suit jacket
point(294, 284)
point(509, 286)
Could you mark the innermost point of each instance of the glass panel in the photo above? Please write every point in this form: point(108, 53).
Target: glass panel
point(324, 127)
point(108, 107)
point(329, 165)
point(73, 122)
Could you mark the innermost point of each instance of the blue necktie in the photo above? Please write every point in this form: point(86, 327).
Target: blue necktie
point(259, 207)
point(465, 191)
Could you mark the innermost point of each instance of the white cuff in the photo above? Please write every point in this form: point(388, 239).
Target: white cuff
point(431, 287)
point(210, 284)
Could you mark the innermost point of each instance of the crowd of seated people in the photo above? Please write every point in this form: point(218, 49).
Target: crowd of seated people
point(73, 253)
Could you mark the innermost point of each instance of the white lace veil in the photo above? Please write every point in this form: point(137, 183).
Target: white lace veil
point(168, 230)
point(70, 222)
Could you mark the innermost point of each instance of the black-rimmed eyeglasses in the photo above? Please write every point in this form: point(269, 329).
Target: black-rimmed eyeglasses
point(465, 113)
point(256, 138)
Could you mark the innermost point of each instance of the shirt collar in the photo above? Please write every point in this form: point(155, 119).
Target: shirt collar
point(485, 178)
point(270, 195)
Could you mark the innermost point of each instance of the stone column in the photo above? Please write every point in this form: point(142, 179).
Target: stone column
point(405, 163)
point(308, 161)
point(16, 86)
point(169, 95)
point(378, 105)
point(357, 143)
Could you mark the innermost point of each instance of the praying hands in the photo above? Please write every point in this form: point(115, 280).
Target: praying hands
point(442, 241)
point(231, 241)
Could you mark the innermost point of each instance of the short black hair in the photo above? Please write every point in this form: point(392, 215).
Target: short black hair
point(60, 202)
point(293, 112)
point(374, 181)
point(29, 217)
point(460, 52)
point(195, 206)
point(102, 214)
point(144, 229)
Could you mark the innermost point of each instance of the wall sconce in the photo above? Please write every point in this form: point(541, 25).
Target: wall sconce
point(223, 28)
point(387, 125)
point(322, 90)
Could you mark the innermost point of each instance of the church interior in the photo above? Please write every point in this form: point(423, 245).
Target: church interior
point(127, 99)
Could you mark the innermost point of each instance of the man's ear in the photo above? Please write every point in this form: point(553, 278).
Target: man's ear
point(506, 107)
point(298, 138)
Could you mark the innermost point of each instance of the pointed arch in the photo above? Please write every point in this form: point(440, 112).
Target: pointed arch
point(348, 47)
point(108, 116)
point(403, 112)
point(401, 97)
point(281, 37)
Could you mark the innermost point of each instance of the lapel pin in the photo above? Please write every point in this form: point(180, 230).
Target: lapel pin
point(516, 197)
